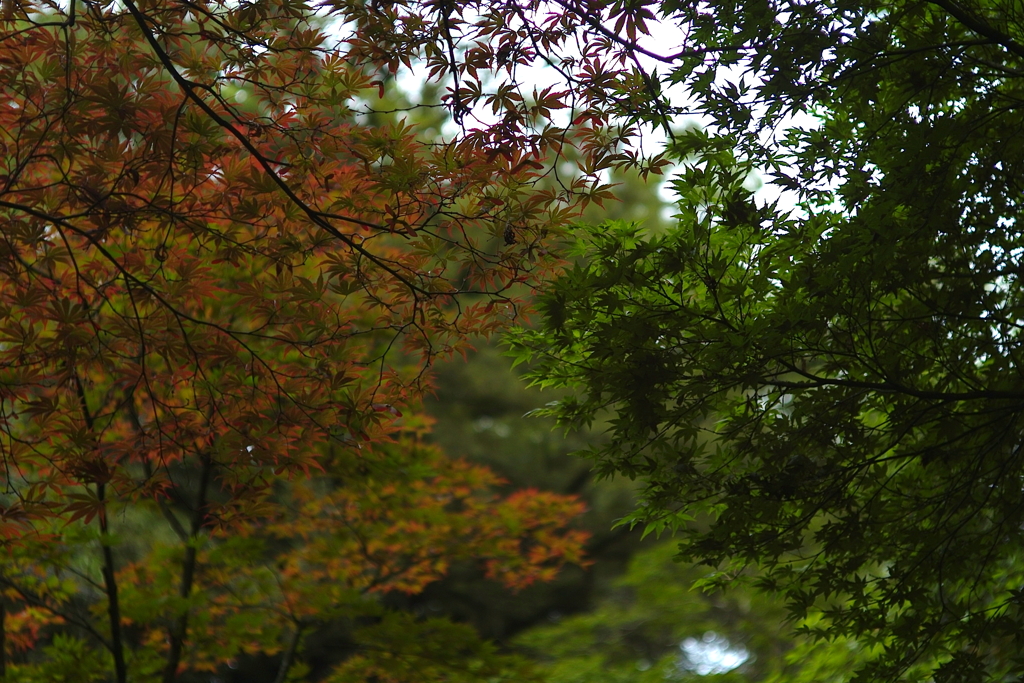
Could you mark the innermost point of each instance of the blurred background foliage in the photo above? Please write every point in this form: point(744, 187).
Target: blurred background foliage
point(650, 625)
point(482, 408)
point(631, 615)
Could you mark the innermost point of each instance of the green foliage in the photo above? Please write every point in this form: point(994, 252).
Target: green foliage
point(831, 392)
point(636, 633)
point(65, 660)
point(402, 648)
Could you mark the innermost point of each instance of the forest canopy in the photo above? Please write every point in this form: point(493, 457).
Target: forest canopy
point(231, 248)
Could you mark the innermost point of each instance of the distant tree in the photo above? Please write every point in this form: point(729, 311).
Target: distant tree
point(828, 388)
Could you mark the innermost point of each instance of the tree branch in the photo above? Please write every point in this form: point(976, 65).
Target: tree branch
point(109, 577)
point(110, 585)
point(889, 387)
point(289, 654)
point(179, 630)
point(189, 88)
point(979, 26)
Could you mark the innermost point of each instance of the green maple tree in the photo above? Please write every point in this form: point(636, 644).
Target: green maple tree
point(827, 387)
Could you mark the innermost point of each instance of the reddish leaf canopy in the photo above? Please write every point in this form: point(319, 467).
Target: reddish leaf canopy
point(222, 271)
point(180, 269)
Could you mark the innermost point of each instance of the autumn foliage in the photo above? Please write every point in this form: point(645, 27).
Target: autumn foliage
point(223, 276)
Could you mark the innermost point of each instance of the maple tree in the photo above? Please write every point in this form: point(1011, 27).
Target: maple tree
point(827, 388)
point(222, 277)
